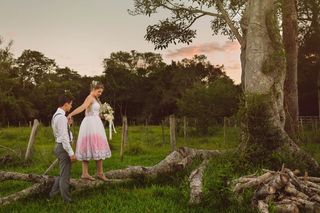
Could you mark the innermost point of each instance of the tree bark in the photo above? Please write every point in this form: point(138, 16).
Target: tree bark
point(174, 162)
point(290, 40)
point(196, 179)
point(265, 68)
point(261, 44)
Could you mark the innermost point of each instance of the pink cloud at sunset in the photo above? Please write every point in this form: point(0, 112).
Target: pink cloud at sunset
point(205, 49)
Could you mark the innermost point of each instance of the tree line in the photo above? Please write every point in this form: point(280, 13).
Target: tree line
point(138, 85)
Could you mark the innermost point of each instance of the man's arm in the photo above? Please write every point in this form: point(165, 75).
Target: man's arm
point(63, 130)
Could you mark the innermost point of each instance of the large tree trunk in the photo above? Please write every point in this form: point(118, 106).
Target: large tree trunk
point(263, 73)
point(290, 40)
point(265, 67)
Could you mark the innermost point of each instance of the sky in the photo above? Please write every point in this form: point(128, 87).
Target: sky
point(80, 33)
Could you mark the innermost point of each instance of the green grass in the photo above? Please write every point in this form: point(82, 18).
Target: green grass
point(145, 147)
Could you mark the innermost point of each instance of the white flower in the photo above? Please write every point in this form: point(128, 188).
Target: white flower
point(108, 117)
point(106, 111)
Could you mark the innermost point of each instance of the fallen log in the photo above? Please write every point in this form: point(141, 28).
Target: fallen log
point(43, 183)
point(35, 189)
point(174, 162)
point(313, 179)
point(251, 183)
point(263, 207)
point(286, 208)
point(196, 179)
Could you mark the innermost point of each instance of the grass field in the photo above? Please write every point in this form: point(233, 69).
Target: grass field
point(145, 147)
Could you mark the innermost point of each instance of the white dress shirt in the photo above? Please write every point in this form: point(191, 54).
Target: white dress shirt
point(60, 130)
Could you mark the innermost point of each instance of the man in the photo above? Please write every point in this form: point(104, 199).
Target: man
point(63, 149)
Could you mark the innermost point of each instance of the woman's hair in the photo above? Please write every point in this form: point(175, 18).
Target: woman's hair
point(96, 85)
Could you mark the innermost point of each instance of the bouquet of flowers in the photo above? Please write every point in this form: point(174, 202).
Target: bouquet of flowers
point(107, 112)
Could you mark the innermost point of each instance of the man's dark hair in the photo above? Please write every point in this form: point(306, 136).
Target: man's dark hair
point(64, 98)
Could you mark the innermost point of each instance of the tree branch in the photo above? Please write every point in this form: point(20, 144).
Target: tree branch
point(191, 10)
point(226, 17)
point(192, 22)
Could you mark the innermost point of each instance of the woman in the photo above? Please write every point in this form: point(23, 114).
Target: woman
point(92, 141)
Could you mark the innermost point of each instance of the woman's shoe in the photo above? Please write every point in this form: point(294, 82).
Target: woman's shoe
point(102, 177)
point(88, 178)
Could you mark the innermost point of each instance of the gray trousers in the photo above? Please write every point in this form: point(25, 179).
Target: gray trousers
point(62, 183)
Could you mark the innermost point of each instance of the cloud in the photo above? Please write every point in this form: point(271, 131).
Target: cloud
point(204, 48)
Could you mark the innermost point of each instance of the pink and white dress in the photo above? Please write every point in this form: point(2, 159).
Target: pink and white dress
point(92, 141)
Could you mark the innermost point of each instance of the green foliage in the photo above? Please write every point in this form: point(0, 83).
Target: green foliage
point(149, 90)
point(167, 32)
point(209, 103)
point(34, 67)
point(218, 195)
point(183, 14)
point(31, 78)
point(294, 161)
point(263, 137)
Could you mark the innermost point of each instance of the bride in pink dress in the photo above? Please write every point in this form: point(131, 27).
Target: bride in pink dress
point(92, 141)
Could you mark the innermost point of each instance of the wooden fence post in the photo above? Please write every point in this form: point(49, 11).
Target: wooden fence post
point(32, 139)
point(124, 136)
point(173, 132)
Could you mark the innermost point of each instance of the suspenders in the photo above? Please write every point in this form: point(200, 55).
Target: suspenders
point(67, 126)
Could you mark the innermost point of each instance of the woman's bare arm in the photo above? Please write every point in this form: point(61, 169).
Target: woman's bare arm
point(83, 106)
